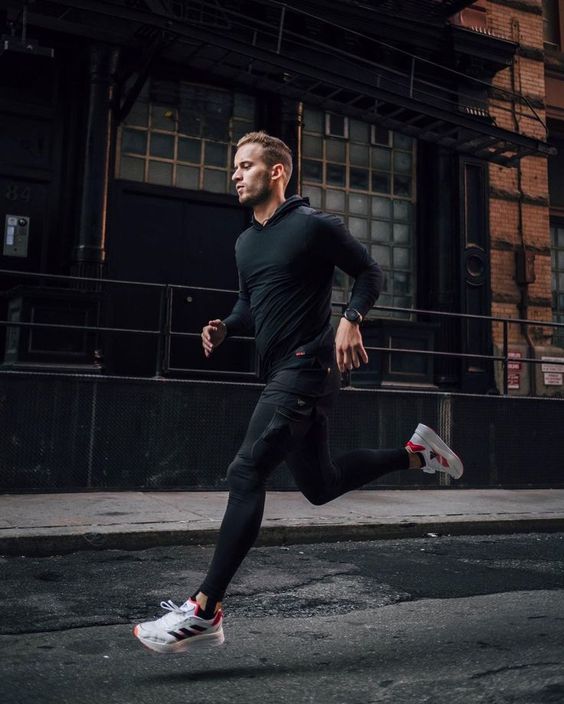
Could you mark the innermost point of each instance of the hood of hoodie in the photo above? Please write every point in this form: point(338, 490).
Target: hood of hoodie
point(287, 206)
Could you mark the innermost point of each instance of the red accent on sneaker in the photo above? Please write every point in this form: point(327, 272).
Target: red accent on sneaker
point(198, 607)
point(415, 448)
point(218, 617)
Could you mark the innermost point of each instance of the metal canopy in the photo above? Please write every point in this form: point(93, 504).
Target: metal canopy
point(262, 44)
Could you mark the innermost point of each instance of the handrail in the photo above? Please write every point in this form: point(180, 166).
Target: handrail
point(165, 332)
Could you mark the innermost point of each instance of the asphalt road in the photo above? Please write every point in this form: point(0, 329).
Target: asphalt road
point(437, 619)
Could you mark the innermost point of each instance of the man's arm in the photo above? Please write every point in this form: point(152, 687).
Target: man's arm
point(239, 321)
point(348, 254)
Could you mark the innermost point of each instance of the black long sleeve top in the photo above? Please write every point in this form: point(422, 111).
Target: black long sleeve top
point(286, 272)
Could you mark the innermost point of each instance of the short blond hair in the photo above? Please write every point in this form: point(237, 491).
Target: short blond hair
point(275, 150)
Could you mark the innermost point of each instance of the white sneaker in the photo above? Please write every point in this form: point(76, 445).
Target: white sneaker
point(437, 454)
point(181, 629)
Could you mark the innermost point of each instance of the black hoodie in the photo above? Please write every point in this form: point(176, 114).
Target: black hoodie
point(286, 272)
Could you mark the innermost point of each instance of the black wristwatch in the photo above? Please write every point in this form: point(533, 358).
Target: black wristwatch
point(352, 315)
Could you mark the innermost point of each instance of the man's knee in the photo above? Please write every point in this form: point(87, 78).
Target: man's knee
point(242, 477)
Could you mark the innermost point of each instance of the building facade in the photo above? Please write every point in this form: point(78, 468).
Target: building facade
point(427, 126)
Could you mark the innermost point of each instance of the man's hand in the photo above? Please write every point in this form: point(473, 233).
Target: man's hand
point(213, 334)
point(350, 350)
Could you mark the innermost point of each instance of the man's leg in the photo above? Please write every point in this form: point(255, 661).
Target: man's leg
point(322, 479)
point(272, 432)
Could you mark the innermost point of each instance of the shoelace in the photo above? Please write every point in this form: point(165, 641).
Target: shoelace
point(171, 606)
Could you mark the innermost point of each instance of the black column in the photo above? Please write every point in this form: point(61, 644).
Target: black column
point(89, 252)
point(477, 374)
point(438, 253)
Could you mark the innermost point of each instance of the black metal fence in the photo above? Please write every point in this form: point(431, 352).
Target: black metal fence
point(73, 431)
point(65, 432)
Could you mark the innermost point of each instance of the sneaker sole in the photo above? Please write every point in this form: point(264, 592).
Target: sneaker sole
point(203, 642)
point(456, 468)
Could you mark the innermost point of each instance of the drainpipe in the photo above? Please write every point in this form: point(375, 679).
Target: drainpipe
point(89, 253)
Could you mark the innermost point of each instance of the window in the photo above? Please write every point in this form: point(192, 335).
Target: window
point(557, 237)
point(366, 175)
point(551, 19)
point(183, 135)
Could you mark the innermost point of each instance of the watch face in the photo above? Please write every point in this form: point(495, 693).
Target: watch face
point(352, 315)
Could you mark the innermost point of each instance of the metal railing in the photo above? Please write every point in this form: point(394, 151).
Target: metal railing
point(164, 333)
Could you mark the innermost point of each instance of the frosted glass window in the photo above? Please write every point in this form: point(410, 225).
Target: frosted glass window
point(381, 159)
point(359, 155)
point(402, 163)
point(336, 175)
point(188, 177)
point(380, 182)
point(381, 207)
point(402, 141)
point(359, 179)
point(215, 154)
point(336, 125)
point(313, 120)
point(214, 181)
point(179, 144)
point(381, 254)
point(381, 231)
point(314, 194)
point(401, 232)
point(162, 145)
point(336, 150)
point(134, 142)
point(359, 131)
point(335, 200)
point(160, 173)
point(312, 170)
point(401, 258)
point(401, 282)
point(358, 203)
point(365, 173)
point(380, 135)
point(313, 146)
point(358, 227)
point(402, 210)
point(132, 169)
point(402, 185)
point(189, 150)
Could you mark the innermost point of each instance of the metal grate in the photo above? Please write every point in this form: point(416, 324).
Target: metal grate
point(77, 432)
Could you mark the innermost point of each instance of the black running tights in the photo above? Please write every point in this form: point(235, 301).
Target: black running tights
point(298, 435)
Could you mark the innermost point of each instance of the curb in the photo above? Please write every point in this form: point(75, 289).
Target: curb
point(48, 545)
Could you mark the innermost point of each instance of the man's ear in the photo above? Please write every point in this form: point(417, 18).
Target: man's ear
point(277, 172)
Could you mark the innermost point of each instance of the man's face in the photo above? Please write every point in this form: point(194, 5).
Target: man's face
point(252, 175)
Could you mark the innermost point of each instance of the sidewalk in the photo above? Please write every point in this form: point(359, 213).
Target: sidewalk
point(47, 524)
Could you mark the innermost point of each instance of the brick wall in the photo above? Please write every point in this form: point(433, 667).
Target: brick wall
point(519, 196)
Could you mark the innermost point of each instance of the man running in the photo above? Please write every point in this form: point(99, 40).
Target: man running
point(286, 261)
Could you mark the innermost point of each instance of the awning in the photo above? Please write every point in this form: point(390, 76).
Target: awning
point(264, 45)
